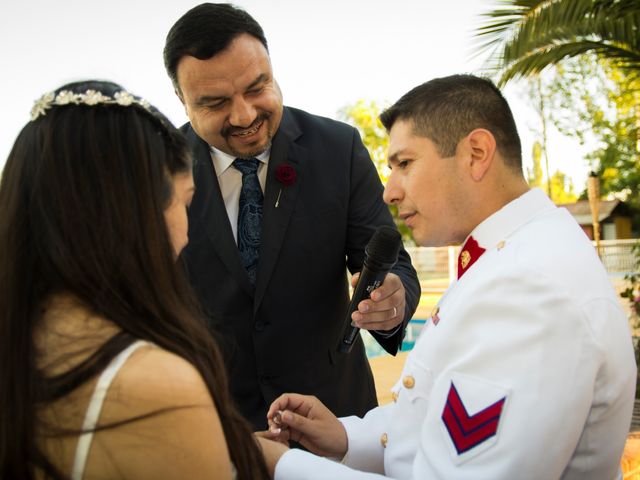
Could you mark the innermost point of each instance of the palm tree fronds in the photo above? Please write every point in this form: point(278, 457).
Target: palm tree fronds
point(525, 36)
point(535, 62)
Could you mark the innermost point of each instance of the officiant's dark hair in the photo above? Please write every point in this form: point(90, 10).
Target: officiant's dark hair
point(82, 201)
point(206, 30)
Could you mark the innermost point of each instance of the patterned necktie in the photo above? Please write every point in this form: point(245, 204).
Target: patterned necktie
point(249, 215)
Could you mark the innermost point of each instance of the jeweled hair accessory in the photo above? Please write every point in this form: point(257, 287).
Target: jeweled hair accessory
point(90, 98)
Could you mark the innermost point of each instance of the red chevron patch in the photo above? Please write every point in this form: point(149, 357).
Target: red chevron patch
point(467, 431)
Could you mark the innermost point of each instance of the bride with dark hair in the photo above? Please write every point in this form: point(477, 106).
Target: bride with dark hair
point(106, 368)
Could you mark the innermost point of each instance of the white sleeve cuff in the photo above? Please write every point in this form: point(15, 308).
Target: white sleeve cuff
point(365, 451)
point(389, 333)
point(300, 465)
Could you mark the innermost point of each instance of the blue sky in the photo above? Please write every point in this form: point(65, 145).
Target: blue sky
point(325, 54)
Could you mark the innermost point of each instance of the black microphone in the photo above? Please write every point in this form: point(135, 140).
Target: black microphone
point(381, 254)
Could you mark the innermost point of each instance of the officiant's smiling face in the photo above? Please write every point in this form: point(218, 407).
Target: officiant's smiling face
point(232, 99)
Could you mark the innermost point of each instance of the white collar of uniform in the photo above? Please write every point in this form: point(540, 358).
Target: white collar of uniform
point(222, 161)
point(498, 226)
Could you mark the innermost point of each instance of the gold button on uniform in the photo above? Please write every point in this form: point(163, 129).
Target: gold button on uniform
point(501, 245)
point(408, 381)
point(383, 440)
point(394, 396)
point(465, 258)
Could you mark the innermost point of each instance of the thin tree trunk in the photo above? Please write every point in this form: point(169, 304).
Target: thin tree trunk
point(543, 117)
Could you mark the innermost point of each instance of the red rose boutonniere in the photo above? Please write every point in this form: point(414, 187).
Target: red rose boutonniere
point(286, 175)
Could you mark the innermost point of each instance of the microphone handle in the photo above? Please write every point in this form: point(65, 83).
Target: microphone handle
point(370, 279)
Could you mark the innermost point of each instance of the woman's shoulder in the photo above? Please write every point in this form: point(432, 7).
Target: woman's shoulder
point(168, 425)
point(162, 378)
point(158, 419)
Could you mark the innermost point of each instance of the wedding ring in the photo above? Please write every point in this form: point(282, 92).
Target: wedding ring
point(395, 312)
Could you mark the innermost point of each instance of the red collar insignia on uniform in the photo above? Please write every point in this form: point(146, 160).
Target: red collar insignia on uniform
point(469, 253)
point(468, 431)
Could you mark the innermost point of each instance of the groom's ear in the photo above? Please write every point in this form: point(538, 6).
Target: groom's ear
point(482, 149)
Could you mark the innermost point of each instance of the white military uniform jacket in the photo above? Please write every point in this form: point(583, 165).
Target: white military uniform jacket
point(524, 371)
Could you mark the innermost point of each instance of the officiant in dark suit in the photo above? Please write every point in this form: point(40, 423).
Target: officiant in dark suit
point(285, 203)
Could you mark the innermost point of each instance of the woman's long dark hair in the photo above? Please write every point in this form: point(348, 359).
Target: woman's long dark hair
point(82, 198)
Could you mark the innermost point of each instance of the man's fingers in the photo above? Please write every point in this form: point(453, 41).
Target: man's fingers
point(370, 320)
point(294, 421)
point(288, 401)
point(391, 287)
point(275, 434)
point(387, 320)
point(384, 308)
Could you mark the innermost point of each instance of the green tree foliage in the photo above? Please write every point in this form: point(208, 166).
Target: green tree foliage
point(526, 36)
point(364, 115)
point(600, 106)
point(560, 188)
point(594, 48)
point(558, 185)
point(534, 176)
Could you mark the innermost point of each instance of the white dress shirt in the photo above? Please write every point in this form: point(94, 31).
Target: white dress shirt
point(230, 181)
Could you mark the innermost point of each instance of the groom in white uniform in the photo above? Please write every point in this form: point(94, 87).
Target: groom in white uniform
point(525, 369)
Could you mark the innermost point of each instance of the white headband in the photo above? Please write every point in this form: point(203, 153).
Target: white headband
point(90, 98)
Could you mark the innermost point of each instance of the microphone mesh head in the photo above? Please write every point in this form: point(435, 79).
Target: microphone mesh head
point(384, 245)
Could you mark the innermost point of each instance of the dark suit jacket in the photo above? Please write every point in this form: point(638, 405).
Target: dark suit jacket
point(283, 337)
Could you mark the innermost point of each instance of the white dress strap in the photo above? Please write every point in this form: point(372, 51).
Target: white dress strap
point(95, 406)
